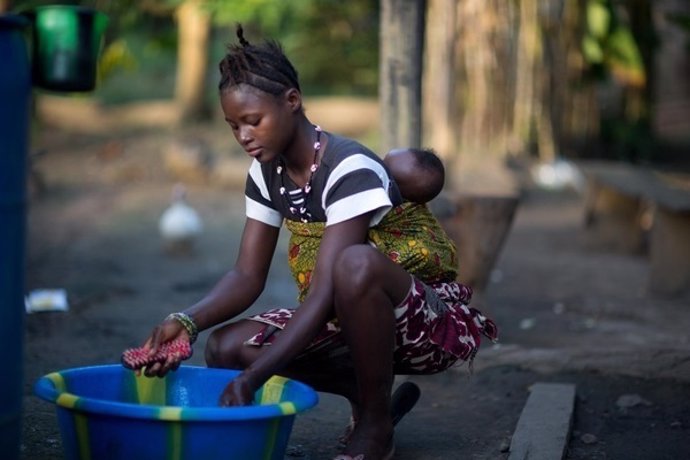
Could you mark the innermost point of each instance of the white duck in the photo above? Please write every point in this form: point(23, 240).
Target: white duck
point(180, 224)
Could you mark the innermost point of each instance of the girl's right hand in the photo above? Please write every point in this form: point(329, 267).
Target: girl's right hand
point(239, 392)
point(168, 330)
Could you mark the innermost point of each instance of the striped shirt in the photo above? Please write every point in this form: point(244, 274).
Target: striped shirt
point(350, 181)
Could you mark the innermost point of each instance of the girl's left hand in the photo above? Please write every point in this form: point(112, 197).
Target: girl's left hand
point(239, 392)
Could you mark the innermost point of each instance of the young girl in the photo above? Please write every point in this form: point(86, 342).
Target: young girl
point(376, 276)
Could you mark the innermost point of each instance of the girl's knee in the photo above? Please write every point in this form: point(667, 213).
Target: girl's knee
point(216, 350)
point(225, 348)
point(354, 267)
point(358, 275)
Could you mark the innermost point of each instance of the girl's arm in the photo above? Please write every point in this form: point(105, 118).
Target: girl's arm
point(232, 295)
point(308, 319)
point(242, 285)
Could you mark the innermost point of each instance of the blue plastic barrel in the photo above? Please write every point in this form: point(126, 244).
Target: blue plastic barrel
point(15, 101)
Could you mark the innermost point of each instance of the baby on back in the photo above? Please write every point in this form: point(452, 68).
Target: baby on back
point(419, 173)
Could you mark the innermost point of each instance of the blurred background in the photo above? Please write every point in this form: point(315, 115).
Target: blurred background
point(533, 78)
point(506, 86)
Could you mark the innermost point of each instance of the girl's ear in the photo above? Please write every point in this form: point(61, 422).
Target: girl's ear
point(293, 98)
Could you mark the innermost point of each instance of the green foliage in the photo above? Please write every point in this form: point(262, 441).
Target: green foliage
point(332, 43)
point(624, 58)
point(599, 16)
point(117, 55)
point(613, 50)
point(138, 66)
point(313, 32)
point(592, 50)
point(609, 46)
point(273, 17)
point(346, 60)
point(27, 5)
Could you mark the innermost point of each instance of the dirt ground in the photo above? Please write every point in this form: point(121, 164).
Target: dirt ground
point(565, 313)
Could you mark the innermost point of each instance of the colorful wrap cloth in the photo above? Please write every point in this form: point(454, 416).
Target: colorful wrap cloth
point(409, 235)
point(434, 325)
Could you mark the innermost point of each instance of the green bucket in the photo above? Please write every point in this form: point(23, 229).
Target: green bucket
point(67, 41)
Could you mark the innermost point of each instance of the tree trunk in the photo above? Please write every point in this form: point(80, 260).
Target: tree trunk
point(671, 97)
point(528, 53)
point(556, 41)
point(484, 95)
point(402, 36)
point(485, 58)
point(439, 104)
point(194, 30)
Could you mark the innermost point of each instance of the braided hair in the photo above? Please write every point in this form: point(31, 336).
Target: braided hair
point(263, 66)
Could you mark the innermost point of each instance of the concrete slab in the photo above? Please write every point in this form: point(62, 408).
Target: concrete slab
point(543, 430)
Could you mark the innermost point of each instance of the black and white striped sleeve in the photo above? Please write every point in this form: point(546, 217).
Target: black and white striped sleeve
point(357, 185)
point(257, 199)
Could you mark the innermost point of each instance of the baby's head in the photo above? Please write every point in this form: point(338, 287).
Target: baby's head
point(419, 173)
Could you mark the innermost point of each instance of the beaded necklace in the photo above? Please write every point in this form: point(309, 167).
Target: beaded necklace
point(297, 199)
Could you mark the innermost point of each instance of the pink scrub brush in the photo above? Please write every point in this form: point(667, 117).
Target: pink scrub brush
point(136, 358)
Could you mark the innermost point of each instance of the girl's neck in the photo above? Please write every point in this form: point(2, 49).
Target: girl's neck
point(300, 158)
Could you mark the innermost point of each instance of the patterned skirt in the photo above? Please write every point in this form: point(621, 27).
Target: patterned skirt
point(434, 329)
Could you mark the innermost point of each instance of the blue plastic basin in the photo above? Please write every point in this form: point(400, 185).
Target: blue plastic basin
point(108, 412)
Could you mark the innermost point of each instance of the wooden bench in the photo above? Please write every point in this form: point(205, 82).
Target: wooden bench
point(635, 209)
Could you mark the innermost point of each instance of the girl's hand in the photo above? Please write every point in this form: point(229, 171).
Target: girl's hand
point(166, 331)
point(239, 392)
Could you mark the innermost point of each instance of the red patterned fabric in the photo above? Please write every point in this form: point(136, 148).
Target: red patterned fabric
point(434, 329)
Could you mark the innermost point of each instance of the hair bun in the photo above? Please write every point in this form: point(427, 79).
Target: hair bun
point(240, 35)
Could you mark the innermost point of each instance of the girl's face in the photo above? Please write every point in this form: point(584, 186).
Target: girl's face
point(262, 124)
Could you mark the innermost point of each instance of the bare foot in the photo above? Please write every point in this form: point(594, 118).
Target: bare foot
point(370, 440)
point(403, 400)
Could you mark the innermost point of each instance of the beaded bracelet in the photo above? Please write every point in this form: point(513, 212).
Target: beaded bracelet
point(188, 323)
